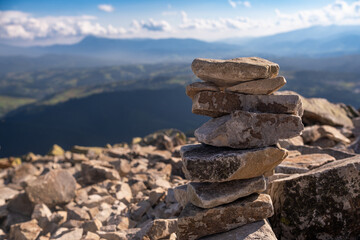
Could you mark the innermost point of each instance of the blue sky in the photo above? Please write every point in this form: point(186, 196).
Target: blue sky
point(59, 21)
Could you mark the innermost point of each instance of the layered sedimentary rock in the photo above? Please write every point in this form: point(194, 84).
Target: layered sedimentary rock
point(195, 222)
point(209, 195)
point(248, 130)
point(217, 104)
point(196, 87)
point(204, 163)
point(226, 73)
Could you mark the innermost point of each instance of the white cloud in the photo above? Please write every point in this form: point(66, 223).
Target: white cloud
point(106, 7)
point(15, 24)
point(152, 25)
point(234, 4)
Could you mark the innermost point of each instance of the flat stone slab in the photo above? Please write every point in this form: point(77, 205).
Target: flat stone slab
point(209, 195)
point(244, 130)
point(309, 161)
point(195, 222)
point(196, 87)
point(225, 73)
point(217, 104)
point(203, 163)
point(256, 230)
point(261, 86)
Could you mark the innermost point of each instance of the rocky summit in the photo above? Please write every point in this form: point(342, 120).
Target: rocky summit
point(252, 173)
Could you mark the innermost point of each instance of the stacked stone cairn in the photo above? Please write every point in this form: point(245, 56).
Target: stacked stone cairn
point(225, 198)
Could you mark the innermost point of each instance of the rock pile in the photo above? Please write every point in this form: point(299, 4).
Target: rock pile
point(228, 170)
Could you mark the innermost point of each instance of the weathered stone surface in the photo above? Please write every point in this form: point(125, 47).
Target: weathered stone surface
point(157, 229)
point(53, 188)
point(320, 110)
point(7, 193)
point(248, 130)
point(42, 214)
point(356, 122)
point(320, 204)
point(336, 153)
point(195, 222)
point(259, 87)
point(226, 73)
point(56, 150)
point(209, 195)
point(25, 231)
point(316, 132)
point(67, 234)
point(217, 104)
point(204, 163)
point(303, 163)
point(260, 230)
point(196, 87)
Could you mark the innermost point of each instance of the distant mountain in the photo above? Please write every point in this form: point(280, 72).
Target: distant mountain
point(97, 120)
point(320, 41)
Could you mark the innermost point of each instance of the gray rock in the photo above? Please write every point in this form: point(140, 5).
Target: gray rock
point(195, 222)
point(355, 146)
point(7, 193)
point(356, 122)
point(248, 130)
point(321, 111)
point(320, 204)
point(224, 73)
point(256, 230)
point(209, 195)
point(54, 188)
point(217, 104)
point(204, 163)
point(259, 87)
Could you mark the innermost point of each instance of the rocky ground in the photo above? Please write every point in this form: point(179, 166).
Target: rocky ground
point(126, 191)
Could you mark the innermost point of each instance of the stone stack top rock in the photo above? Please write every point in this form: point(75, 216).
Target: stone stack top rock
point(227, 73)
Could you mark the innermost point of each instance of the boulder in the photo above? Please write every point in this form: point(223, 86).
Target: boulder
point(316, 132)
point(42, 214)
point(256, 230)
point(320, 204)
point(54, 188)
point(204, 163)
point(67, 234)
point(224, 73)
point(321, 111)
point(259, 86)
point(196, 87)
point(209, 195)
point(355, 146)
point(195, 222)
point(297, 141)
point(248, 130)
point(217, 104)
